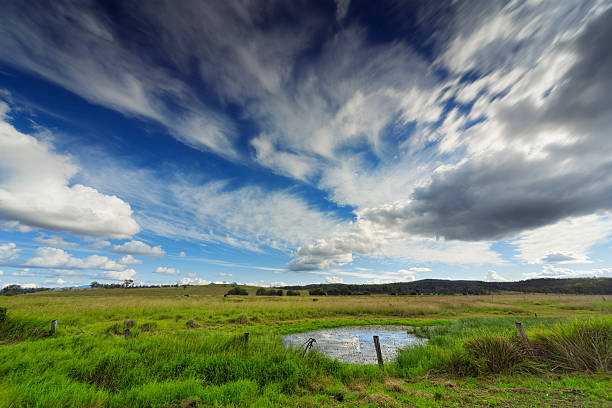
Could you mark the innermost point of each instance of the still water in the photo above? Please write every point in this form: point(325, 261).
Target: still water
point(355, 344)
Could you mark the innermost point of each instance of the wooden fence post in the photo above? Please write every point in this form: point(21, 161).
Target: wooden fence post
point(521, 332)
point(246, 338)
point(378, 352)
point(126, 333)
point(53, 326)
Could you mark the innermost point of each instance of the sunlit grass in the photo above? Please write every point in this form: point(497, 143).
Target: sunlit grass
point(166, 361)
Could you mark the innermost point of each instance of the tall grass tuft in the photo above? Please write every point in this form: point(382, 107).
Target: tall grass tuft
point(580, 345)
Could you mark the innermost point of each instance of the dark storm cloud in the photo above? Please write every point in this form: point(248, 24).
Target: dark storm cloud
point(497, 195)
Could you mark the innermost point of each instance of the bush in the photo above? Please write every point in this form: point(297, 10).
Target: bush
point(269, 292)
point(316, 292)
point(2, 314)
point(293, 293)
point(581, 345)
point(237, 291)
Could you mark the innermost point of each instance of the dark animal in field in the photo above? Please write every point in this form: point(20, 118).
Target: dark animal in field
point(186, 295)
point(315, 300)
point(128, 324)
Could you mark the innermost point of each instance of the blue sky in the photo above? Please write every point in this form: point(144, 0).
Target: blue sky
point(278, 143)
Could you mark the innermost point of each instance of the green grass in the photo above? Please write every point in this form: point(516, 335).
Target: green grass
point(473, 356)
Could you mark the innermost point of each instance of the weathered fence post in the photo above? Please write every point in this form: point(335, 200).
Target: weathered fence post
point(246, 338)
point(521, 332)
point(126, 333)
point(53, 327)
point(378, 352)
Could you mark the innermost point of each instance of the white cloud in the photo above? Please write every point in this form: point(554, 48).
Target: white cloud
point(182, 254)
point(164, 270)
point(401, 275)
point(11, 226)
point(225, 274)
point(549, 271)
point(194, 281)
point(114, 76)
point(493, 276)
point(118, 275)
point(1, 272)
point(333, 279)
point(36, 191)
point(248, 217)
point(99, 243)
point(54, 241)
point(9, 251)
point(342, 7)
point(566, 241)
point(58, 282)
point(129, 260)
point(23, 285)
point(138, 248)
point(47, 257)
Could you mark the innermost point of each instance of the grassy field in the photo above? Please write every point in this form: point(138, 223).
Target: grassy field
point(188, 350)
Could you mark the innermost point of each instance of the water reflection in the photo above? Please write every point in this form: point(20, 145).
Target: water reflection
point(355, 344)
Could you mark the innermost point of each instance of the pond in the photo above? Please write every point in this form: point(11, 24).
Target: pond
point(355, 344)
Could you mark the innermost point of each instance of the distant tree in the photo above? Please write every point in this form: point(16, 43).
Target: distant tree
point(317, 292)
point(269, 292)
point(293, 293)
point(237, 291)
point(128, 283)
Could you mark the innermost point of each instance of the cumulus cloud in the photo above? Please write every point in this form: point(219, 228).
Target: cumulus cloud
point(225, 274)
point(333, 279)
point(139, 248)
point(9, 251)
point(566, 241)
point(164, 270)
point(47, 257)
point(118, 275)
point(182, 254)
point(129, 260)
point(493, 276)
point(194, 281)
point(35, 191)
point(55, 241)
point(550, 271)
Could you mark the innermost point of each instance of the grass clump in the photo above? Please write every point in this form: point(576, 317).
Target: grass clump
point(580, 345)
point(571, 346)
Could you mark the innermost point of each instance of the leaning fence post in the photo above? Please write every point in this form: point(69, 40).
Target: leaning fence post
point(378, 352)
point(246, 338)
point(53, 326)
point(521, 331)
point(126, 333)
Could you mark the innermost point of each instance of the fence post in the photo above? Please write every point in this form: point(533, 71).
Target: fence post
point(378, 352)
point(521, 332)
point(53, 326)
point(126, 333)
point(246, 338)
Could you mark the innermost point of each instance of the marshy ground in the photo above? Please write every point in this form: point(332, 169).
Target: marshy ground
point(190, 350)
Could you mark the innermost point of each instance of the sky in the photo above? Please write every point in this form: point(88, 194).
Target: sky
point(296, 142)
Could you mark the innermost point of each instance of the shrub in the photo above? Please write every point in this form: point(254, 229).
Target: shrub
point(316, 292)
point(293, 293)
point(237, 291)
point(2, 314)
point(495, 354)
point(269, 292)
point(581, 345)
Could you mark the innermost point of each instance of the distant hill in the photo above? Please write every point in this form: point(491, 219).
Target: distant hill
point(593, 286)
